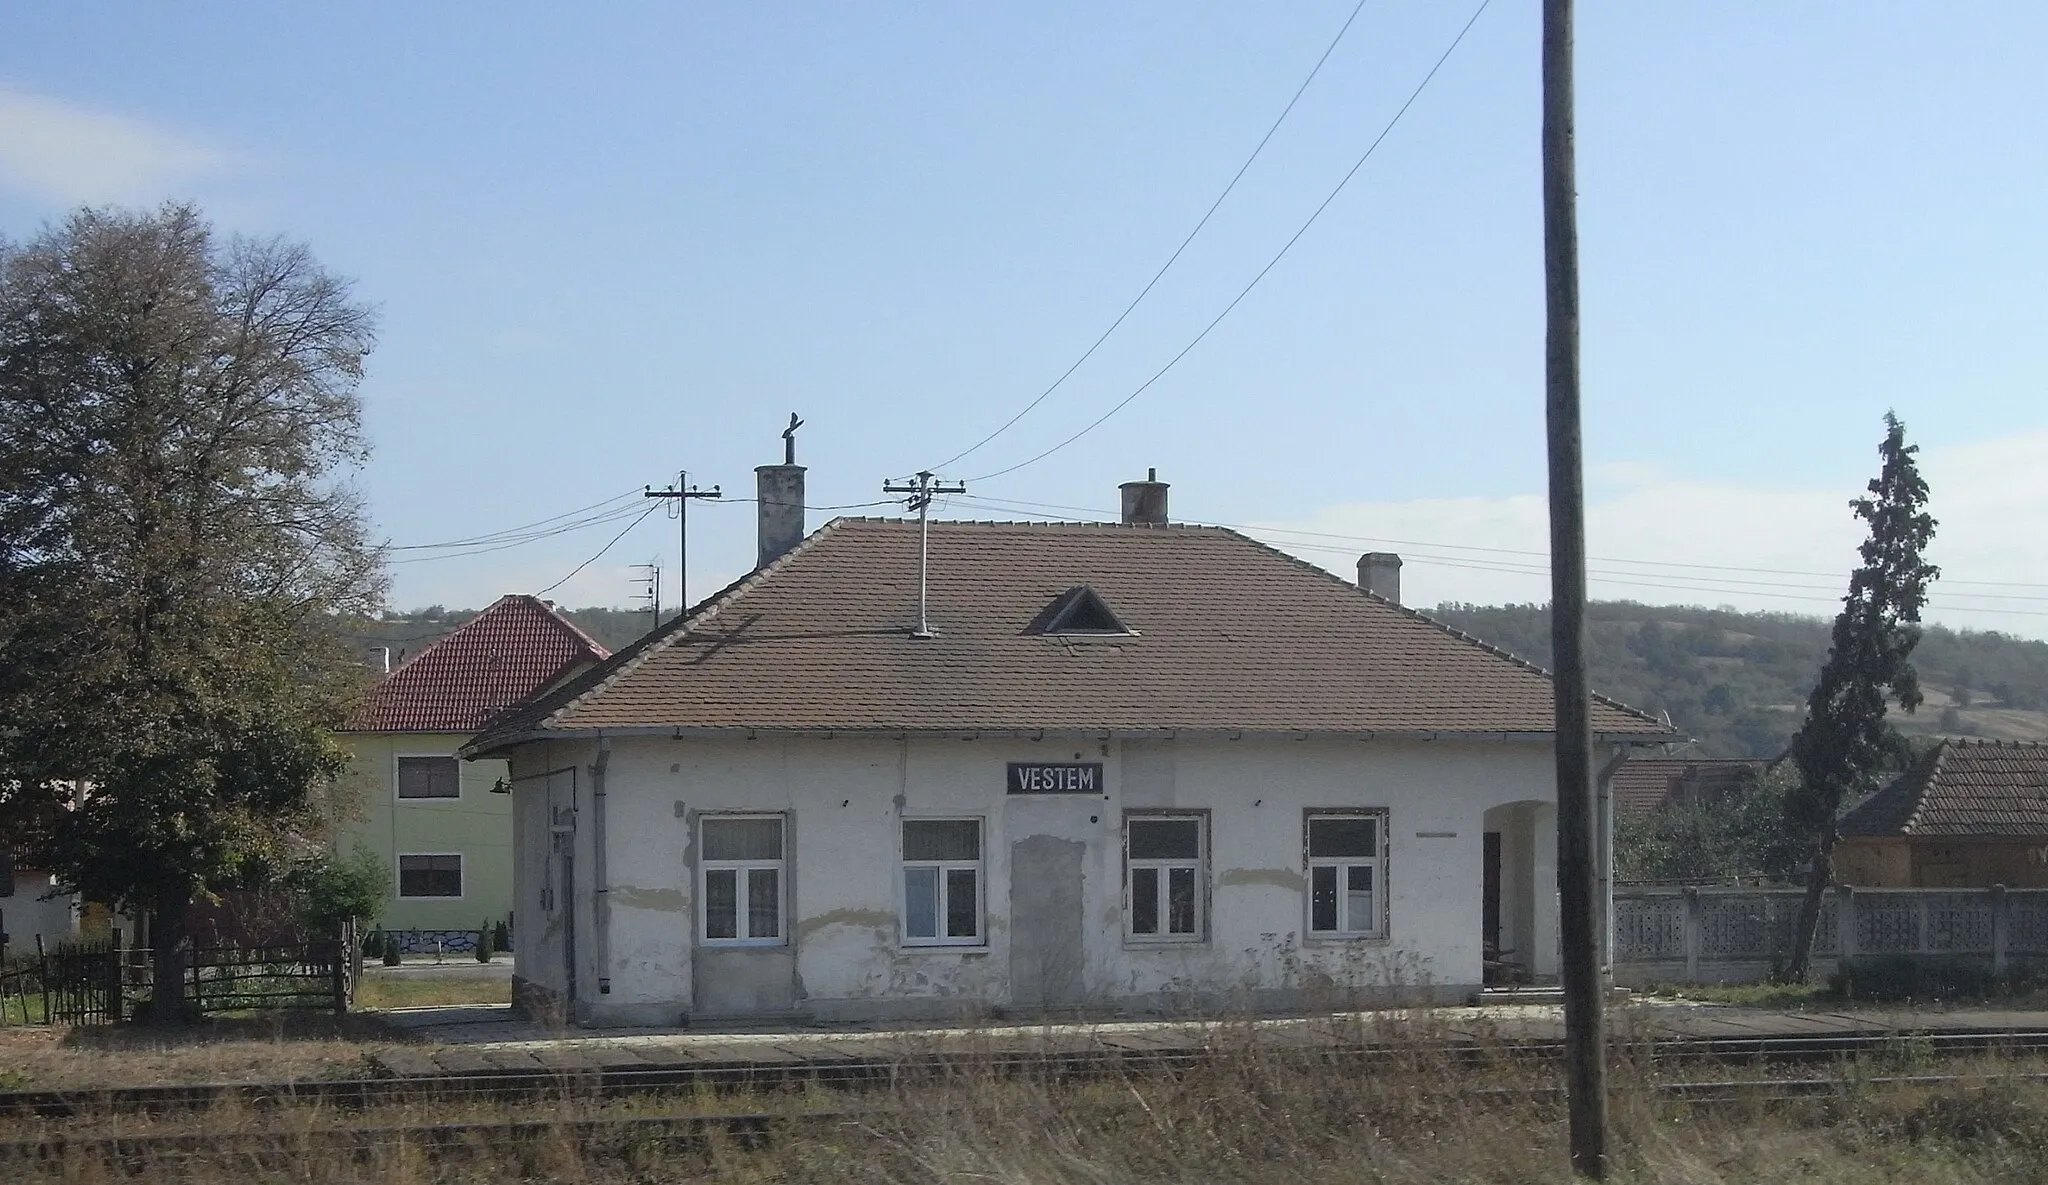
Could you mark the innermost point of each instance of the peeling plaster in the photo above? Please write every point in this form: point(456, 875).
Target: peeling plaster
point(873, 919)
point(1277, 878)
point(659, 900)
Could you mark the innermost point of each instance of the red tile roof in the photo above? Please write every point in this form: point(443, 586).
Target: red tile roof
point(1643, 783)
point(496, 659)
point(1229, 635)
point(1964, 788)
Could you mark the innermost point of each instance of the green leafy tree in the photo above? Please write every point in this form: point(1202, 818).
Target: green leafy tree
point(1737, 834)
point(178, 541)
point(1846, 744)
point(334, 890)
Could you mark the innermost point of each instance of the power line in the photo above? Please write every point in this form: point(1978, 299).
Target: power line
point(511, 541)
point(495, 536)
point(1270, 265)
point(600, 552)
point(1177, 251)
point(1096, 513)
point(1816, 594)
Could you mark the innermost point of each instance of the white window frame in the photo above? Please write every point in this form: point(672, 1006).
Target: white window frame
point(1162, 866)
point(741, 869)
point(398, 761)
point(944, 868)
point(1377, 862)
point(398, 877)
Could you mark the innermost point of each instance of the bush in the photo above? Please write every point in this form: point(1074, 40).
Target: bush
point(373, 945)
point(337, 889)
point(501, 936)
point(392, 950)
point(1933, 977)
point(483, 943)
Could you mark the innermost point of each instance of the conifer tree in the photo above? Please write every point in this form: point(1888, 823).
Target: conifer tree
point(1846, 744)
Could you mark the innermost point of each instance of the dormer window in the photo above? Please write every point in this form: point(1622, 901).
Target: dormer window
point(1081, 610)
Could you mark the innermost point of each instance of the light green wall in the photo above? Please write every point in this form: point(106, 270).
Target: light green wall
point(478, 825)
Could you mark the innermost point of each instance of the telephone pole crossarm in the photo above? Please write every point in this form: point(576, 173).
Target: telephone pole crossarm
point(680, 494)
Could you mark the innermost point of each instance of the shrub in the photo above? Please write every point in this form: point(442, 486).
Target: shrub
point(392, 950)
point(373, 945)
point(483, 943)
point(337, 889)
point(1933, 977)
point(501, 936)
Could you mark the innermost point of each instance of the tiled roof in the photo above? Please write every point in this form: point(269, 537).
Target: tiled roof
point(503, 655)
point(1228, 635)
point(1964, 788)
point(1643, 783)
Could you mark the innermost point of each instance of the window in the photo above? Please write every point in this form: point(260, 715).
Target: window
point(942, 882)
point(742, 862)
point(1346, 888)
point(429, 777)
point(434, 875)
point(1166, 861)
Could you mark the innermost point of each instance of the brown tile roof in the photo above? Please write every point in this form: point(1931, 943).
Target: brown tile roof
point(503, 655)
point(1964, 788)
point(1643, 783)
point(1229, 635)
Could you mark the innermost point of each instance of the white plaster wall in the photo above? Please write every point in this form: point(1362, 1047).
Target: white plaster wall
point(26, 915)
point(845, 798)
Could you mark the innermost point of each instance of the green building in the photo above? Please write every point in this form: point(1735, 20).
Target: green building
point(442, 825)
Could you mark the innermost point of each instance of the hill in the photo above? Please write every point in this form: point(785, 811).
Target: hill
point(1737, 682)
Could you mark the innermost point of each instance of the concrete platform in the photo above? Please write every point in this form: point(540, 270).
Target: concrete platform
point(481, 1039)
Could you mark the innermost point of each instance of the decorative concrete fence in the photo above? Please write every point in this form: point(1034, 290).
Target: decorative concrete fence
point(1725, 935)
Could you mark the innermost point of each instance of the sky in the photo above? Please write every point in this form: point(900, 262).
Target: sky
point(615, 241)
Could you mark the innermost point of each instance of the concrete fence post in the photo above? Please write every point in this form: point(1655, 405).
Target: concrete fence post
point(2000, 929)
point(1693, 929)
point(1845, 923)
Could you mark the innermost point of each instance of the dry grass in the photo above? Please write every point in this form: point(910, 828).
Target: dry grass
point(1252, 1112)
point(282, 1047)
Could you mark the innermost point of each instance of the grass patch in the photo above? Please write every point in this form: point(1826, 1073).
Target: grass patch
point(270, 1047)
point(1782, 996)
point(414, 990)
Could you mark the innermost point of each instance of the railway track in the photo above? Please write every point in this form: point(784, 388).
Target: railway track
point(594, 1134)
point(620, 1082)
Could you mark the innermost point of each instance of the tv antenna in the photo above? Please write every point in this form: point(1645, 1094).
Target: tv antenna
point(679, 496)
point(922, 489)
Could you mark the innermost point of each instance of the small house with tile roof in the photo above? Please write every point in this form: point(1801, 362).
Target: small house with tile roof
point(431, 817)
point(1968, 814)
point(1025, 768)
point(1643, 784)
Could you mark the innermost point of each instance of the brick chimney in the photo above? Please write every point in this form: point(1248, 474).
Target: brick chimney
point(780, 493)
point(1144, 503)
point(1380, 572)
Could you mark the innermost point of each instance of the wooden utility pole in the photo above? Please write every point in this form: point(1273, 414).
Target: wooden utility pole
point(680, 494)
point(1577, 828)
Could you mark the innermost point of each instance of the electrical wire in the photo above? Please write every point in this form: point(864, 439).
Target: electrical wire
point(1270, 265)
point(495, 536)
point(610, 516)
point(1171, 259)
point(1816, 594)
point(1096, 513)
point(600, 554)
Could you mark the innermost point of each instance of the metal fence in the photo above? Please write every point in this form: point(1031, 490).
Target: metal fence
point(102, 982)
point(1732, 935)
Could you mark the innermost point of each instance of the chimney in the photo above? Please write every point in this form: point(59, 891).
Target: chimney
point(780, 493)
point(1380, 572)
point(1145, 501)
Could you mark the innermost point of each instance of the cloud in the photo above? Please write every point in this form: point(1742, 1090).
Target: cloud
point(70, 155)
point(1671, 539)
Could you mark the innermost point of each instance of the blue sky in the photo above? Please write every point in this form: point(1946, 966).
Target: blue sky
point(612, 241)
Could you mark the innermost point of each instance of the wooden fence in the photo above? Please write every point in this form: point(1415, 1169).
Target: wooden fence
point(97, 983)
point(1736, 935)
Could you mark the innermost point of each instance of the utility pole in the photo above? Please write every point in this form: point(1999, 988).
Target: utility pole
point(651, 590)
point(680, 494)
point(1577, 828)
point(920, 500)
